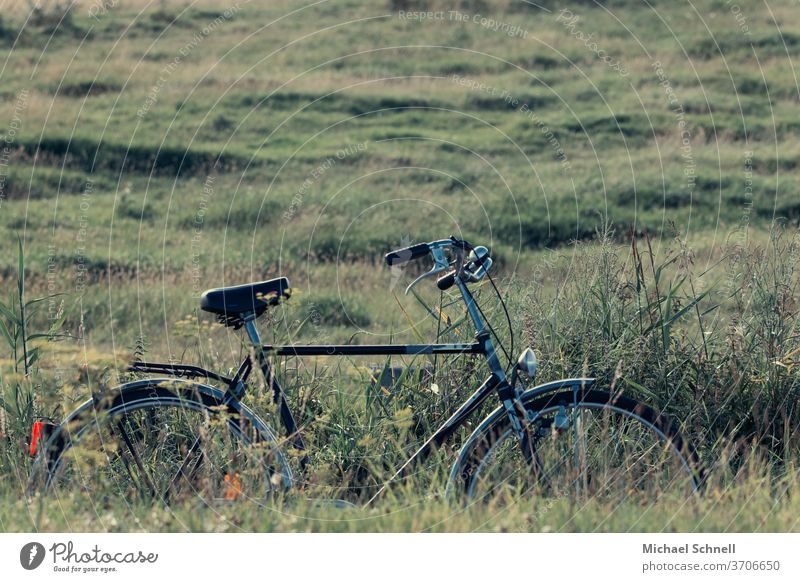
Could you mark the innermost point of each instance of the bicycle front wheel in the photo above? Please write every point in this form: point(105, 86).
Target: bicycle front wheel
point(162, 440)
point(582, 443)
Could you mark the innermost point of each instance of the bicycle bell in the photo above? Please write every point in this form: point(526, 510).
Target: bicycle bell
point(479, 264)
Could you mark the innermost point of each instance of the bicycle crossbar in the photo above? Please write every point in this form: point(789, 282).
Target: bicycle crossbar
point(375, 349)
point(313, 350)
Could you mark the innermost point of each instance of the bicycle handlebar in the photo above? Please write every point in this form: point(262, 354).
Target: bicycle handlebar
point(414, 252)
point(436, 249)
point(407, 254)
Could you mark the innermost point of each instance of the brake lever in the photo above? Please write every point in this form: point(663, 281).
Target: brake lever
point(440, 264)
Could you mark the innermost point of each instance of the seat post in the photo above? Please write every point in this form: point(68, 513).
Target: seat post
point(252, 331)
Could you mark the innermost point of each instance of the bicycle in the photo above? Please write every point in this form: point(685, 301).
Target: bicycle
point(176, 434)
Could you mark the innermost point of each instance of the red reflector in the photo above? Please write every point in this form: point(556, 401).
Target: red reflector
point(39, 432)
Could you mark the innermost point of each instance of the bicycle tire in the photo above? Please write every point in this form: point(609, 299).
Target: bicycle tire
point(495, 432)
point(247, 433)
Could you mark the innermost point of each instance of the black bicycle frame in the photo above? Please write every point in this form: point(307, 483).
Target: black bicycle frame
point(375, 350)
point(483, 345)
point(236, 384)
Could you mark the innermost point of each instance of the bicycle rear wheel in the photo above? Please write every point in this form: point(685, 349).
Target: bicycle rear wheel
point(162, 440)
point(585, 444)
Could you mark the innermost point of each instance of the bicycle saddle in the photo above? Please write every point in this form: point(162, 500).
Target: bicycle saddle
point(230, 303)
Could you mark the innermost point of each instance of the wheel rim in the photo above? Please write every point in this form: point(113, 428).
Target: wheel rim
point(601, 451)
point(170, 450)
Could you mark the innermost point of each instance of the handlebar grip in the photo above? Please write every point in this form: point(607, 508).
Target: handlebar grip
point(446, 281)
point(411, 253)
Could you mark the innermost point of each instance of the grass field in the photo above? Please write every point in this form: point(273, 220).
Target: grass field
point(621, 159)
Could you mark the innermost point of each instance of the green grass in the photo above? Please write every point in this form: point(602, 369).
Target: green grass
point(769, 509)
point(311, 145)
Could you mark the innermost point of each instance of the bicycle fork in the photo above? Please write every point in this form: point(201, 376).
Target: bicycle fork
point(527, 432)
point(507, 392)
point(520, 423)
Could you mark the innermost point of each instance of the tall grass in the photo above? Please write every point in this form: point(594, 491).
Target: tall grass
point(714, 345)
point(21, 384)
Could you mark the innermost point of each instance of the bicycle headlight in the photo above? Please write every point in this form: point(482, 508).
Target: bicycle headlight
point(528, 363)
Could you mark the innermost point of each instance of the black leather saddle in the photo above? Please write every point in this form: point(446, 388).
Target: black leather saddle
point(230, 304)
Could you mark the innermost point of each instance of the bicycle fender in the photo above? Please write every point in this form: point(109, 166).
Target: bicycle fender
point(527, 396)
point(117, 393)
point(535, 392)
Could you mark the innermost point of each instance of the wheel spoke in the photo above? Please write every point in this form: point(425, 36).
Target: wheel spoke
point(532, 458)
point(181, 470)
point(158, 445)
point(590, 447)
point(136, 458)
point(120, 453)
point(576, 452)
